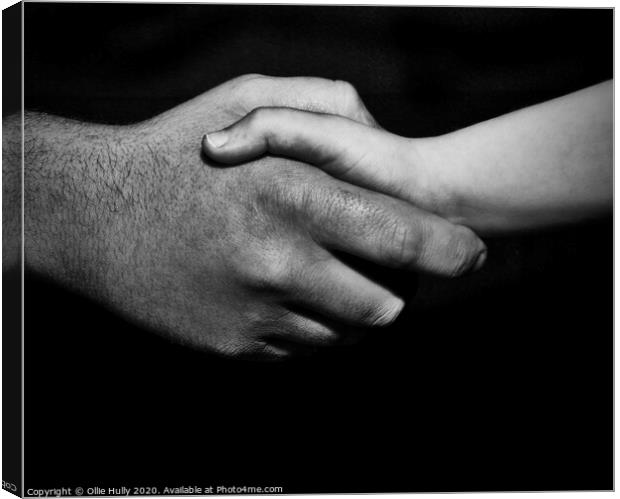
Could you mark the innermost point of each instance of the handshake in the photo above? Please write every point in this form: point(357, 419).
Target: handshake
point(229, 222)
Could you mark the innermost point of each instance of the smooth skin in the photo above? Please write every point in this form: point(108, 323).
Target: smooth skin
point(238, 261)
point(545, 165)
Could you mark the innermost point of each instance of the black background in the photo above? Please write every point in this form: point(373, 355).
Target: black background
point(498, 381)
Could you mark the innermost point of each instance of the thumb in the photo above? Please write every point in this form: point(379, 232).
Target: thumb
point(345, 149)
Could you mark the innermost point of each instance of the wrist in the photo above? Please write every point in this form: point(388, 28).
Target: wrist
point(433, 183)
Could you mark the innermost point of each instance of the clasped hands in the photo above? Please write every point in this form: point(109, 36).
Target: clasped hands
point(229, 222)
point(287, 224)
point(236, 222)
point(246, 261)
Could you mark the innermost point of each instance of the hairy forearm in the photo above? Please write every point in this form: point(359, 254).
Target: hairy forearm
point(545, 165)
point(73, 186)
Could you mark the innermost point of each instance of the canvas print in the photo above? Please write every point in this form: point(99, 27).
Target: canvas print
point(292, 249)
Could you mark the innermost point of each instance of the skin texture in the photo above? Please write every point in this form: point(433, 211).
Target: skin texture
point(240, 261)
point(545, 165)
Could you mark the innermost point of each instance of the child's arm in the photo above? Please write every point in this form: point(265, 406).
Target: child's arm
point(544, 165)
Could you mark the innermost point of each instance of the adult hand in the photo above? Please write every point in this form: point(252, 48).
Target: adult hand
point(237, 261)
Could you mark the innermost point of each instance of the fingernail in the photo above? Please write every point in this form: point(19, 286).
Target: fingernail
point(217, 139)
point(481, 259)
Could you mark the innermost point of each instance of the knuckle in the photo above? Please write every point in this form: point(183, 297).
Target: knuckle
point(248, 91)
point(338, 204)
point(349, 96)
point(346, 91)
point(272, 272)
point(403, 244)
point(258, 119)
point(282, 195)
point(249, 79)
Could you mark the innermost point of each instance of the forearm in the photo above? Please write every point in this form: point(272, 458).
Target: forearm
point(545, 165)
point(73, 186)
